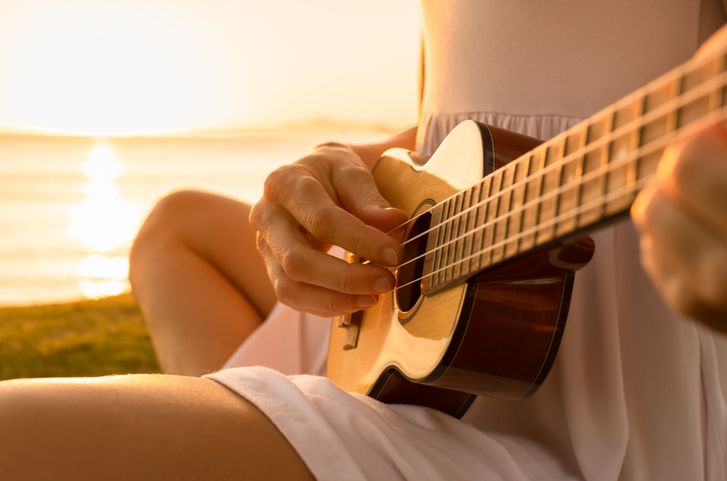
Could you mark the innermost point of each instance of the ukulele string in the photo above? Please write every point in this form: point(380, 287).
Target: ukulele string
point(593, 175)
point(594, 204)
point(574, 212)
point(715, 83)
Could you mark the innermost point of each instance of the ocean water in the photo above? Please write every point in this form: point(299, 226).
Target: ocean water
point(70, 206)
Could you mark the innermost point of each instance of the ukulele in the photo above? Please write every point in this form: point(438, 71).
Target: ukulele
point(497, 229)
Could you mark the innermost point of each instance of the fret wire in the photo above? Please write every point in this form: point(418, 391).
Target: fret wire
point(456, 232)
point(672, 117)
point(579, 173)
point(437, 255)
point(528, 191)
point(467, 242)
point(519, 168)
point(508, 203)
point(631, 157)
point(492, 207)
point(655, 144)
point(462, 232)
point(449, 259)
point(594, 174)
point(538, 205)
point(557, 204)
point(501, 228)
point(720, 80)
point(717, 81)
point(635, 141)
point(474, 265)
point(487, 191)
point(457, 224)
point(447, 239)
point(603, 180)
point(716, 96)
point(477, 192)
point(636, 133)
point(630, 190)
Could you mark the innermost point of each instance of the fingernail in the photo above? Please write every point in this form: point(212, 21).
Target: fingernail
point(365, 301)
point(381, 285)
point(389, 256)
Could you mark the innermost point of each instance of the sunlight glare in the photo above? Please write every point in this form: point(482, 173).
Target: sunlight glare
point(94, 289)
point(107, 68)
point(102, 164)
point(103, 224)
point(103, 276)
point(104, 220)
point(100, 188)
point(101, 267)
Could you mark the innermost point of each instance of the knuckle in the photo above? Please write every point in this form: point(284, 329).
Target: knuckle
point(257, 214)
point(373, 197)
point(284, 292)
point(330, 305)
point(293, 265)
point(354, 169)
point(273, 180)
point(280, 181)
point(320, 223)
point(358, 239)
point(347, 284)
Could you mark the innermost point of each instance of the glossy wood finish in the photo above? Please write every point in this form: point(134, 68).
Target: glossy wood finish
point(496, 282)
point(495, 334)
point(510, 340)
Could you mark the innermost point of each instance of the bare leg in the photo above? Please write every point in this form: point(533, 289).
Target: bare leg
point(199, 280)
point(137, 427)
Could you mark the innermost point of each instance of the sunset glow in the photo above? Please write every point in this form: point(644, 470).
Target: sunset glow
point(120, 83)
point(103, 276)
point(102, 222)
point(149, 66)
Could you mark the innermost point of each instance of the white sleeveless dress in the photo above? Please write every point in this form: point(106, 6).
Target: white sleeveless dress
point(636, 393)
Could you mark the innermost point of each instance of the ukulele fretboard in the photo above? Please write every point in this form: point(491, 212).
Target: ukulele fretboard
point(586, 175)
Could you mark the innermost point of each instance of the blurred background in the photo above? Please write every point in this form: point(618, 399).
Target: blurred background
point(107, 105)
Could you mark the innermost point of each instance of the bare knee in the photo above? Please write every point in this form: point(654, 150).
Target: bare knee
point(167, 219)
point(163, 227)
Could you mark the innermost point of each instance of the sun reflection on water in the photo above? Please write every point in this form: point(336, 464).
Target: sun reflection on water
point(102, 222)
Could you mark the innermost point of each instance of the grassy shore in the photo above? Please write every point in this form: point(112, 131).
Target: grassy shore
point(87, 338)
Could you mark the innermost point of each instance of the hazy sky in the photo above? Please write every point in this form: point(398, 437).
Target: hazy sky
point(106, 66)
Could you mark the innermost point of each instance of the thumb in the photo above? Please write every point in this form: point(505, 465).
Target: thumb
point(359, 195)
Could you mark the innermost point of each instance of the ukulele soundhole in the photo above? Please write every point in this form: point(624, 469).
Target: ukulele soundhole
point(409, 276)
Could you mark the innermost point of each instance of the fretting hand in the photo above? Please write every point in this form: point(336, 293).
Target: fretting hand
point(682, 217)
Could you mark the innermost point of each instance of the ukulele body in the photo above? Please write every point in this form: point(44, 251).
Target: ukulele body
point(494, 332)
